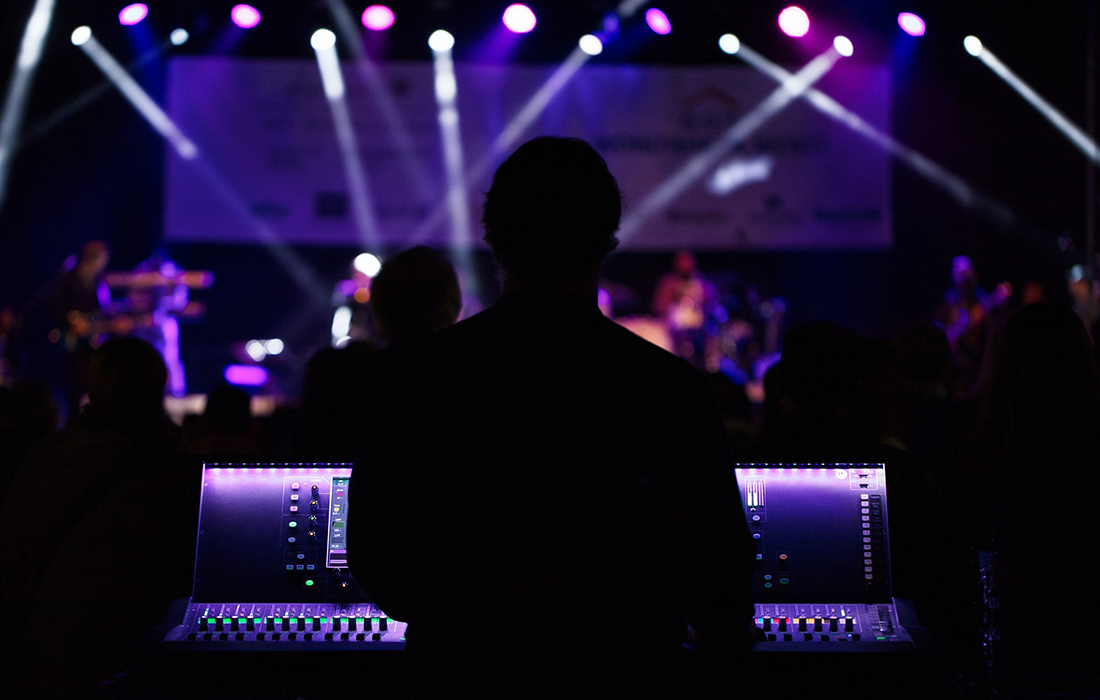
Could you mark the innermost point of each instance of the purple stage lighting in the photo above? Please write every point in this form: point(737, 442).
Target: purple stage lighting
point(245, 16)
point(132, 14)
point(519, 18)
point(911, 24)
point(794, 21)
point(658, 21)
point(245, 375)
point(378, 17)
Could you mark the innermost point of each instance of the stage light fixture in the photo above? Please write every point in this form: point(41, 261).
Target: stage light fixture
point(368, 264)
point(843, 46)
point(591, 44)
point(275, 346)
point(911, 24)
point(519, 18)
point(378, 18)
point(322, 40)
point(133, 14)
point(179, 37)
point(729, 44)
point(245, 16)
point(794, 21)
point(658, 21)
point(441, 40)
point(973, 45)
point(81, 35)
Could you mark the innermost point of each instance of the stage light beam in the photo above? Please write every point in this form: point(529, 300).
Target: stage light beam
point(697, 167)
point(328, 63)
point(933, 172)
point(15, 102)
point(179, 37)
point(134, 93)
point(843, 46)
point(1077, 137)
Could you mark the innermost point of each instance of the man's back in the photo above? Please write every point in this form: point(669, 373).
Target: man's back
point(545, 482)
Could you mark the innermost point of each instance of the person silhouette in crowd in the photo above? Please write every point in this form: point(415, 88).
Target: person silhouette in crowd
point(100, 517)
point(538, 470)
point(415, 293)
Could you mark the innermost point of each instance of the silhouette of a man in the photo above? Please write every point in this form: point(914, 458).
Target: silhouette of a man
point(545, 497)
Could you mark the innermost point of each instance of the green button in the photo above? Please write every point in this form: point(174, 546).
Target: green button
point(767, 585)
point(309, 582)
point(784, 581)
point(324, 620)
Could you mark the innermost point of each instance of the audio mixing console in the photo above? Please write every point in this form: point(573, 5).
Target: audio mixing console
point(822, 571)
point(275, 535)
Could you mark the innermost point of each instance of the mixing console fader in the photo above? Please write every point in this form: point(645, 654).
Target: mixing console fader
point(275, 535)
point(821, 534)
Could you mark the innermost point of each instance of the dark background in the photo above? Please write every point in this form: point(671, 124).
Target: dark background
point(89, 167)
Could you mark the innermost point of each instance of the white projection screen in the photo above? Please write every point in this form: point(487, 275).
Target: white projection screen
point(270, 168)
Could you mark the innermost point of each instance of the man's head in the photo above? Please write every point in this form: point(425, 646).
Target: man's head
point(415, 293)
point(962, 272)
point(552, 211)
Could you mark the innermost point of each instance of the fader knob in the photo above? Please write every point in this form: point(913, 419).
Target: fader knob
point(312, 535)
point(313, 506)
point(314, 490)
point(313, 520)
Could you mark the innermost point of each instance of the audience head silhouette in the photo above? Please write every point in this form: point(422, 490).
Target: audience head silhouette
point(552, 211)
point(126, 382)
point(414, 294)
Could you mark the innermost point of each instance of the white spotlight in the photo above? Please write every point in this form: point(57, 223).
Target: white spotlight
point(591, 44)
point(274, 346)
point(81, 35)
point(322, 40)
point(729, 44)
point(368, 264)
point(843, 46)
point(255, 350)
point(973, 45)
point(179, 37)
point(441, 40)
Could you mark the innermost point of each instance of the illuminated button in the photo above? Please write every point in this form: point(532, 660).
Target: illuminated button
point(784, 581)
point(374, 623)
point(292, 540)
point(290, 567)
point(383, 624)
point(301, 555)
point(756, 518)
point(310, 567)
point(293, 523)
point(313, 520)
point(300, 567)
point(314, 490)
point(309, 582)
point(313, 506)
point(767, 577)
point(294, 486)
point(294, 509)
point(293, 498)
point(783, 557)
point(768, 585)
point(756, 535)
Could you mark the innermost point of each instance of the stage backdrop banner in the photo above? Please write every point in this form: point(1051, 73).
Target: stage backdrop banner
point(270, 168)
